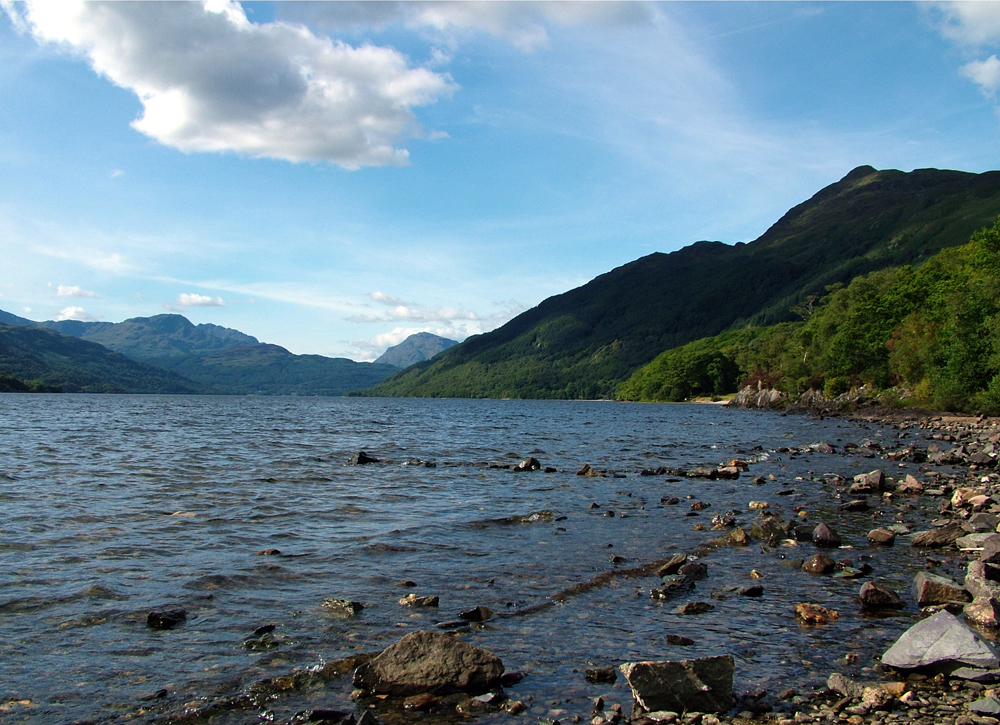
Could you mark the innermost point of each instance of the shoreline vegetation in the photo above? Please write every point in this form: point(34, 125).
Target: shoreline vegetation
point(927, 337)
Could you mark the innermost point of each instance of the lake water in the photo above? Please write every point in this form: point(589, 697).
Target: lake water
point(114, 506)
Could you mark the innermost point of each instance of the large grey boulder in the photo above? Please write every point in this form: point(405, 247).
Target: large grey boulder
point(941, 641)
point(700, 685)
point(429, 662)
point(981, 580)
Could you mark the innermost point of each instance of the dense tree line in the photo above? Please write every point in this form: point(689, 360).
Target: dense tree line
point(933, 330)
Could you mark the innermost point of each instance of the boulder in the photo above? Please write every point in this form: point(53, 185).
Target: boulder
point(983, 580)
point(768, 530)
point(699, 685)
point(973, 542)
point(991, 551)
point(166, 619)
point(943, 642)
point(826, 537)
point(703, 472)
point(361, 459)
point(983, 611)
point(845, 686)
point(910, 485)
point(937, 589)
point(989, 706)
point(881, 537)
point(871, 482)
point(528, 464)
point(982, 523)
point(876, 595)
point(943, 536)
point(819, 564)
point(694, 570)
point(432, 662)
point(477, 614)
point(674, 563)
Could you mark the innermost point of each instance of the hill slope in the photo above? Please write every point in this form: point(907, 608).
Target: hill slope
point(584, 342)
point(272, 370)
point(79, 366)
point(416, 348)
point(146, 338)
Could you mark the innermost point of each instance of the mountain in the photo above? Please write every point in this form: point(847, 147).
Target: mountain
point(416, 348)
point(582, 343)
point(47, 358)
point(161, 336)
point(7, 318)
point(272, 370)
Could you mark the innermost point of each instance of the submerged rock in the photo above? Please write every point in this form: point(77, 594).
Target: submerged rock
point(699, 685)
point(815, 614)
point(413, 600)
point(434, 662)
point(361, 459)
point(819, 564)
point(343, 607)
point(167, 619)
point(825, 536)
point(601, 674)
point(477, 614)
point(941, 641)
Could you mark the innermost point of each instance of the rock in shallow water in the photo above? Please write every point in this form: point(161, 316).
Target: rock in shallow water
point(425, 661)
point(700, 685)
point(167, 619)
point(876, 595)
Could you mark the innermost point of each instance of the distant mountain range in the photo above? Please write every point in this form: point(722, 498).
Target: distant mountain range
point(169, 354)
point(416, 348)
point(583, 343)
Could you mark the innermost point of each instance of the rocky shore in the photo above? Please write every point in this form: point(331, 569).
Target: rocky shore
point(945, 674)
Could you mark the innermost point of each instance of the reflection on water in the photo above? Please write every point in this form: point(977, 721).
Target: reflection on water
point(118, 505)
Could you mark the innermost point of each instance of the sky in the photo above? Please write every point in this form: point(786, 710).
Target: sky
point(332, 177)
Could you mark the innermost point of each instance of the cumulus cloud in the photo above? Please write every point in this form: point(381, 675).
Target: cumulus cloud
point(69, 291)
point(985, 73)
point(75, 313)
point(210, 80)
point(972, 24)
point(521, 23)
point(192, 299)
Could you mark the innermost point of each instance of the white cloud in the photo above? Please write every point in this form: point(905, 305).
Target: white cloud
point(67, 291)
point(412, 312)
point(75, 313)
point(985, 73)
point(95, 259)
point(371, 348)
point(192, 299)
point(210, 80)
point(521, 23)
point(115, 173)
point(973, 24)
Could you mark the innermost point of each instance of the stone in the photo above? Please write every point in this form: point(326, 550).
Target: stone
point(881, 537)
point(589, 472)
point(910, 485)
point(425, 661)
point(937, 589)
point(815, 614)
point(754, 590)
point(702, 685)
point(671, 587)
point(876, 595)
point(601, 674)
point(826, 537)
point(974, 542)
point(983, 580)
point(166, 619)
point(528, 464)
point(728, 472)
point(412, 600)
point(819, 564)
point(975, 674)
point(674, 563)
point(694, 570)
point(759, 505)
point(768, 530)
point(936, 538)
point(343, 607)
point(983, 611)
point(858, 504)
point(985, 706)
point(844, 685)
point(703, 472)
point(421, 703)
point(941, 640)
point(991, 551)
point(982, 523)
point(268, 552)
point(694, 608)
point(738, 537)
point(477, 614)
point(876, 698)
point(679, 641)
point(361, 459)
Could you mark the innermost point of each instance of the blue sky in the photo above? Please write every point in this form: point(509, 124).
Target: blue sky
point(333, 177)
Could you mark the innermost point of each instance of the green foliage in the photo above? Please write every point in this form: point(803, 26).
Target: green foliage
point(934, 330)
point(584, 343)
point(51, 362)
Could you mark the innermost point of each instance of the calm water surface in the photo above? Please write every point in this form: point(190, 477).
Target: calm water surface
point(117, 505)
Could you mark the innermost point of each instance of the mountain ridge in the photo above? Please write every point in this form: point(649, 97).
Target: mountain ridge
point(584, 342)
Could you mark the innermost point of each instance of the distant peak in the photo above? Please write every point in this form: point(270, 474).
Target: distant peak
point(860, 173)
